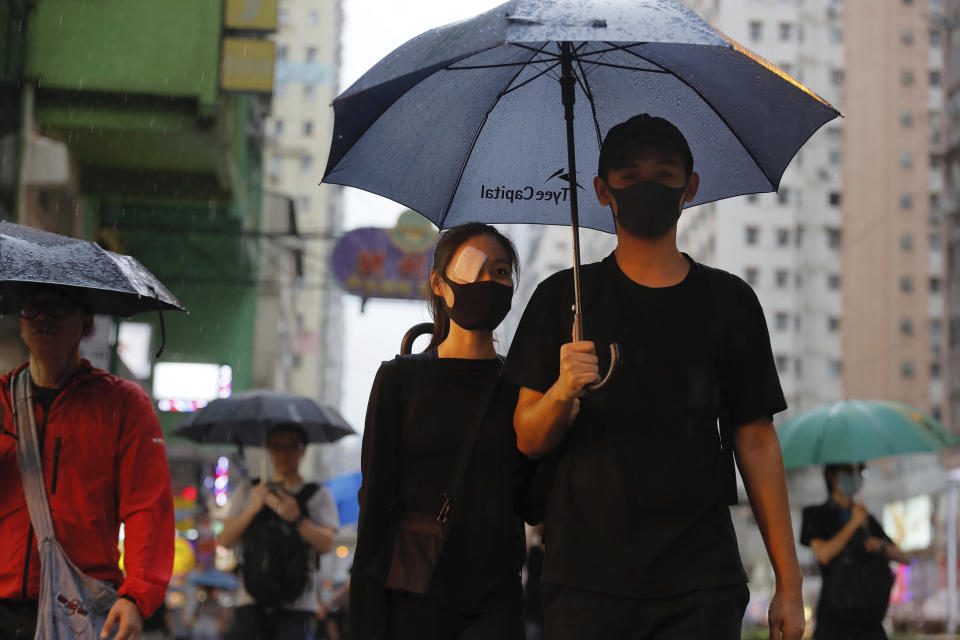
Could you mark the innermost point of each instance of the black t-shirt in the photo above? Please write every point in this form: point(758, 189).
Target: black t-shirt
point(480, 566)
point(822, 522)
point(639, 502)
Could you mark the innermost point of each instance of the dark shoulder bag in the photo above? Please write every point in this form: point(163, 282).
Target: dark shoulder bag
point(420, 537)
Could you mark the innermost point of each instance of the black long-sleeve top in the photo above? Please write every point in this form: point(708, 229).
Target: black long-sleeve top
point(419, 412)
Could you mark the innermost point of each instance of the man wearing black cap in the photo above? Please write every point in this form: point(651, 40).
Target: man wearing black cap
point(638, 536)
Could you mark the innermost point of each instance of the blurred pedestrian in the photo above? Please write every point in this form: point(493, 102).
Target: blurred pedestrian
point(638, 535)
point(854, 554)
point(439, 444)
point(278, 527)
point(104, 462)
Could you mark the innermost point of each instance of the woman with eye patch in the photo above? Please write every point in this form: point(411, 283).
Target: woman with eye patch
point(440, 543)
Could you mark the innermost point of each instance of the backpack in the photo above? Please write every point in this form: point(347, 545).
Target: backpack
point(277, 561)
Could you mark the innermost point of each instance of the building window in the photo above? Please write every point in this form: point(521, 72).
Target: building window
point(783, 362)
point(282, 52)
point(752, 276)
point(308, 91)
point(906, 78)
point(936, 40)
point(906, 284)
point(906, 160)
point(782, 321)
point(311, 54)
point(834, 198)
point(836, 76)
point(279, 89)
point(304, 204)
point(935, 285)
point(752, 235)
point(935, 370)
point(798, 319)
point(785, 31)
point(276, 166)
point(906, 201)
point(906, 118)
point(834, 237)
point(798, 236)
point(783, 237)
point(833, 281)
point(936, 412)
point(836, 35)
point(906, 327)
point(835, 157)
point(306, 163)
point(836, 368)
point(783, 196)
point(782, 278)
point(906, 369)
point(756, 30)
point(283, 16)
point(936, 331)
point(906, 37)
point(906, 242)
point(308, 128)
point(798, 279)
point(833, 324)
point(935, 245)
point(798, 367)
point(278, 127)
point(314, 17)
point(935, 77)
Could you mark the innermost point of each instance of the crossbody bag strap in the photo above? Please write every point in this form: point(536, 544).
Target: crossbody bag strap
point(28, 454)
point(466, 450)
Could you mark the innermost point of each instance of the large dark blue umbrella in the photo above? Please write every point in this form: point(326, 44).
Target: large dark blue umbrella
point(482, 120)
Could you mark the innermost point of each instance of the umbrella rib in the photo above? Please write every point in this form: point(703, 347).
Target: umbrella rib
point(476, 136)
point(529, 80)
point(719, 115)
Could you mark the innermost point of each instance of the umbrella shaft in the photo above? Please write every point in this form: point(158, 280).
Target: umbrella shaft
point(568, 96)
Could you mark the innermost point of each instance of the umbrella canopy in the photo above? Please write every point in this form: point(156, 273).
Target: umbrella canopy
point(214, 578)
point(466, 122)
point(852, 431)
point(244, 418)
point(113, 284)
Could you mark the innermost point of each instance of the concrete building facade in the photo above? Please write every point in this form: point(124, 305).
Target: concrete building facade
point(894, 311)
point(787, 244)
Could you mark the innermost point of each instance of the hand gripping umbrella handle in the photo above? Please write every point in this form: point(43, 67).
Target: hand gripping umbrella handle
point(614, 363)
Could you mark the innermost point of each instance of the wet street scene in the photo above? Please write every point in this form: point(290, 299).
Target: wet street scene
point(537, 319)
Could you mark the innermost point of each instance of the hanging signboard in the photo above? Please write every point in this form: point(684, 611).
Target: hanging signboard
point(372, 262)
point(247, 65)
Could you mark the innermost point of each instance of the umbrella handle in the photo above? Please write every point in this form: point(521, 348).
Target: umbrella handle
point(614, 363)
point(417, 330)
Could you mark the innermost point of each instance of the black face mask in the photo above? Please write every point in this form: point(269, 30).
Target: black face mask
point(479, 305)
point(647, 209)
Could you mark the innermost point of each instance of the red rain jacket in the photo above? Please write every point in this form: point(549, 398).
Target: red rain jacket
point(104, 462)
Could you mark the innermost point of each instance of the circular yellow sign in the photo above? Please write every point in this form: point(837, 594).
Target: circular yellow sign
point(184, 558)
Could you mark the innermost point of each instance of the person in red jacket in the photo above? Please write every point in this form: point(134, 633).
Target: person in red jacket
point(104, 463)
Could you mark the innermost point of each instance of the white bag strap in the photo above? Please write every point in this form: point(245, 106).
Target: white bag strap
point(28, 454)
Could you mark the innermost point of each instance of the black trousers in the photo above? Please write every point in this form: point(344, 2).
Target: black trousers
point(18, 619)
point(707, 614)
point(415, 617)
point(250, 622)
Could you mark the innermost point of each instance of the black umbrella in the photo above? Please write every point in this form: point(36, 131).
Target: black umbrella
point(244, 419)
point(112, 283)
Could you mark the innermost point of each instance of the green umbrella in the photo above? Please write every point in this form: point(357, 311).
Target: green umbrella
point(852, 431)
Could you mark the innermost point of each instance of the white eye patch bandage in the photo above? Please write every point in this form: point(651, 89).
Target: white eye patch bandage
point(467, 266)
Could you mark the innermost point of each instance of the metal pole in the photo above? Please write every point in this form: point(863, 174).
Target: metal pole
point(952, 555)
point(568, 95)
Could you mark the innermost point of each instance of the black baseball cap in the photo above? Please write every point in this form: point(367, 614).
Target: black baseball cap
point(636, 130)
